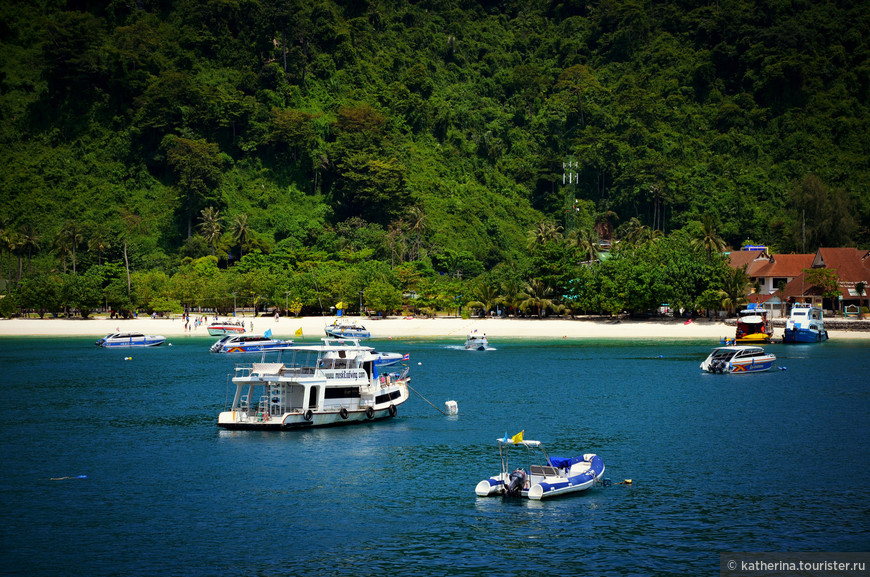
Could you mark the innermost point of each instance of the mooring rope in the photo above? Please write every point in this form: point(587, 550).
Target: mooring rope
point(427, 400)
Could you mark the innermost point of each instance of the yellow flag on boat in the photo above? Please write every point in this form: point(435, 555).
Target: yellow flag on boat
point(299, 332)
point(518, 438)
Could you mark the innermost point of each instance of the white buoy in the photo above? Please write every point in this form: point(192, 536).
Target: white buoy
point(452, 408)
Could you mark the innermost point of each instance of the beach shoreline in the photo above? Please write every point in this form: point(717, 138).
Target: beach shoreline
point(413, 327)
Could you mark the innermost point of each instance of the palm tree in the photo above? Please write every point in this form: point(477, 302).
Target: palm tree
point(538, 295)
point(99, 243)
point(132, 223)
point(241, 232)
point(29, 241)
point(417, 227)
point(735, 288)
point(485, 296)
point(71, 233)
point(210, 227)
point(709, 239)
point(511, 293)
point(587, 243)
point(636, 233)
point(545, 231)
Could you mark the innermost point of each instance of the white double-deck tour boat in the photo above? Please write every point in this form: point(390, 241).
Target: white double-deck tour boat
point(544, 476)
point(123, 340)
point(738, 359)
point(336, 383)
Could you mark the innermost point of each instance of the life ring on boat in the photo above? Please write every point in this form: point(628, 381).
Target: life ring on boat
point(393, 410)
point(370, 413)
point(308, 415)
point(266, 416)
point(342, 412)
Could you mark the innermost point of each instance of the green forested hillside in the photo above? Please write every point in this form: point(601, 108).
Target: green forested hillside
point(160, 153)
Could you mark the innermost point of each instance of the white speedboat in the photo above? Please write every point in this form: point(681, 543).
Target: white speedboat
point(738, 359)
point(476, 341)
point(805, 324)
point(346, 329)
point(335, 383)
point(248, 344)
point(540, 476)
point(123, 340)
point(220, 329)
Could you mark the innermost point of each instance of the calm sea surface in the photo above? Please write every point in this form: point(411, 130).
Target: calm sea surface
point(778, 461)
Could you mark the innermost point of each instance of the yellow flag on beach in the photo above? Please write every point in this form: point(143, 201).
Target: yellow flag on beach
point(299, 332)
point(518, 438)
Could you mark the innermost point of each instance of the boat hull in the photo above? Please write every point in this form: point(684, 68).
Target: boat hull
point(804, 336)
point(754, 339)
point(252, 348)
point(231, 419)
point(338, 333)
point(224, 331)
point(148, 342)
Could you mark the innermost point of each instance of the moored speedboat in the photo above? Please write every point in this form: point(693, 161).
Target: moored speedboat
point(540, 476)
point(248, 344)
point(219, 329)
point(753, 327)
point(346, 329)
point(335, 383)
point(805, 324)
point(123, 340)
point(476, 341)
point(738, 359)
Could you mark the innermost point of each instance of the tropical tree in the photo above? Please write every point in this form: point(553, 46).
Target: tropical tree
point(29, 241)
point(485, 295)
point(537, 297)
point(210, 226)
point(825, 280)
point(71, 236)
point(241, 232)
point(735, 287)
point(708, 239)
point(545, 231)
point(586, 242)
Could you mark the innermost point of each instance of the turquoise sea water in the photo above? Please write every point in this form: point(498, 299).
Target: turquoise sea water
point(767, 462)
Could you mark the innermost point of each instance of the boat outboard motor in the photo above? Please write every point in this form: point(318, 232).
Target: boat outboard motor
point(517, 482)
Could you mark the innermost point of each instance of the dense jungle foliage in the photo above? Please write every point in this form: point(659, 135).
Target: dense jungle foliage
point(555, 156)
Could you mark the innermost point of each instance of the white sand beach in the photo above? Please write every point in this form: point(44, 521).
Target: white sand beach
point(397, 328)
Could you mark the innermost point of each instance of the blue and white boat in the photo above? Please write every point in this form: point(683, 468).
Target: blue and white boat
point(126, 340)
point(249, 344)
point(346, 329)
point(805, 324)
point(540, 476)
point(738, 359)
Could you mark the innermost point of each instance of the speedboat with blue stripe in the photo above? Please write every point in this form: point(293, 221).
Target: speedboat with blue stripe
point(738, 359)
point(249, 344)
point(540, 476)
point(126, 340)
